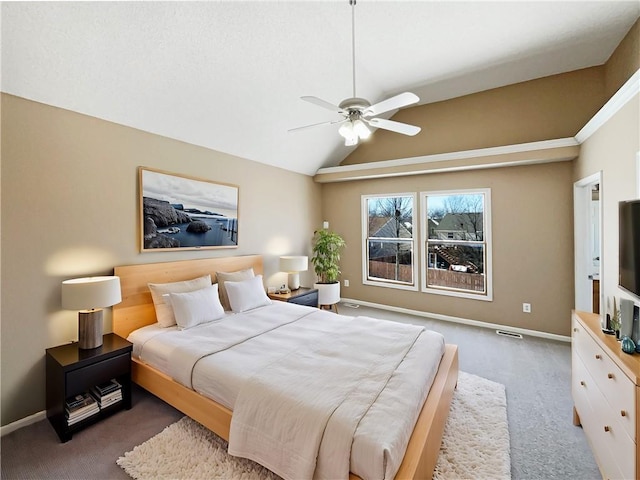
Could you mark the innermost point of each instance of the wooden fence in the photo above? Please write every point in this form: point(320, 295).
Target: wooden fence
point(460, 280)
point(436, 277)
point(387, 271)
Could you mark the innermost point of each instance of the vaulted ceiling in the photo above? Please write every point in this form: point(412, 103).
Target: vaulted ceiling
point(228, 75)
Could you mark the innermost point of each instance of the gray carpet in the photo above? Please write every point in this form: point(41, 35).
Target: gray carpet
point(536, 373)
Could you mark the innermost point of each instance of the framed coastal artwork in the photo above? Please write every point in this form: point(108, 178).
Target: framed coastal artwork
point(179, 212)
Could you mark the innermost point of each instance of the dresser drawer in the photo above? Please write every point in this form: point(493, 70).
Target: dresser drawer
point(612, 447)
point(618, 389)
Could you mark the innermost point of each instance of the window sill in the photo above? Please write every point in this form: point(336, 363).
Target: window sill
point(453, 293)
point(391, 284)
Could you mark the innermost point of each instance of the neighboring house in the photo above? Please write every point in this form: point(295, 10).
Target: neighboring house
point(455, 226)
point(458, 226)
point(384, 227)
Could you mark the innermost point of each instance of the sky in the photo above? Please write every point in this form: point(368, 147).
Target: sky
point(192, 193)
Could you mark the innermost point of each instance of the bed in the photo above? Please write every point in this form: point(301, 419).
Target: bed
point(137, 311)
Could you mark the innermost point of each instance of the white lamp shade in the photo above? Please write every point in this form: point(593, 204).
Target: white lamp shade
point(90, 292)
point(360, 129)
point(294, 263)
point(346, 129)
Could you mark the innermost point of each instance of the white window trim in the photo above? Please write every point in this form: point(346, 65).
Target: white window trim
point(364, 215)
point(488, 268)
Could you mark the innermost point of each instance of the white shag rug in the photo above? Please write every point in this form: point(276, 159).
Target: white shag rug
point(475, 444)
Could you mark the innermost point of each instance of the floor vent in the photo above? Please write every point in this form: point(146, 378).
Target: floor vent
point(351, 305)
point(508, 334)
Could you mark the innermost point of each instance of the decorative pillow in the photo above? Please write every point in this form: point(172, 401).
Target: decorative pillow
point(164, 312)
point(247, 294)
point(224, 277)
point(194, 308)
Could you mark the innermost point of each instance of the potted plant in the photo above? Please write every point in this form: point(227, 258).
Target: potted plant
point(326, 257)
point(616, 320)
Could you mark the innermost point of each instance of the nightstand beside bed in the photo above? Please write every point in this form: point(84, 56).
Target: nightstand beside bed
point(302, 296)
point(72, 371)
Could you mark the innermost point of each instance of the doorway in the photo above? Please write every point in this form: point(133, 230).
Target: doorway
point(587, 195)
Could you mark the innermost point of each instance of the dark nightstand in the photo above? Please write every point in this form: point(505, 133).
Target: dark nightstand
point(72, 371)
point(302, 296)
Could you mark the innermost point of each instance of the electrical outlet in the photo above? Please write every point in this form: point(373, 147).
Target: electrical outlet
point(526, 307)
point(346, 283)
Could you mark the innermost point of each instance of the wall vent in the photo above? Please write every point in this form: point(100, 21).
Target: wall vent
point(508, 334)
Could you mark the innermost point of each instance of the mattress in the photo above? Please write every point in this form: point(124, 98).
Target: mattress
point(381, 436)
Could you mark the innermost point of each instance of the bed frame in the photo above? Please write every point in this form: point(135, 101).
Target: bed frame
point(136, 310)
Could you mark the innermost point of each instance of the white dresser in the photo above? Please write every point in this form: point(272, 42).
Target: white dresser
point(604, 385)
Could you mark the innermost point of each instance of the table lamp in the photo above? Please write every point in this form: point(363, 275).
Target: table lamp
point(293, 265)
point(89, 295)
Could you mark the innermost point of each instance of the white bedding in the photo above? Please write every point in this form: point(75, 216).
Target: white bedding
point(288, 330)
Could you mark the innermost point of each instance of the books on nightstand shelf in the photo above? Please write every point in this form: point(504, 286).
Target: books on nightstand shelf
point(107, 393)
point(87, 404)
point(80, 407)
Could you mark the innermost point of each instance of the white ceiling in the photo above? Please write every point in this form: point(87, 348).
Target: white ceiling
point(228, 75)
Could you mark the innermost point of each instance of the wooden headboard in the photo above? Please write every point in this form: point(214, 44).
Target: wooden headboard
point(136, 309)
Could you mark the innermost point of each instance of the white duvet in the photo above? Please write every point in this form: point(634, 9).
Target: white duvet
point(314, 394)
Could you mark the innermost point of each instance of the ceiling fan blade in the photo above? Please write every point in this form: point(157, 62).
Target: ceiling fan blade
point(397, 127)
point(316, 125)
point(393, 103)
point(322, 103)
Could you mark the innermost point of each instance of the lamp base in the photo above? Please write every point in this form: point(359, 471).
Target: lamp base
point(294, 281)
point(90, 329)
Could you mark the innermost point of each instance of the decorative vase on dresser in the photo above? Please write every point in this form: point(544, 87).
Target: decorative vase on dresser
point(605, 388)
point(627, 345)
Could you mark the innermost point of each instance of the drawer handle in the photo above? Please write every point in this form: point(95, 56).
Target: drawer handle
point(623, 413)
point(607, 428)
point(582, 383)
point(598, 356)
point(575, 329)
point(609, 375)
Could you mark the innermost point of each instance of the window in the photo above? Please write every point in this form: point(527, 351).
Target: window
point(456, 238)
point(389, 245)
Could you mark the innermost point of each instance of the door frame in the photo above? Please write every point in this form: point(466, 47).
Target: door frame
point(583, 288)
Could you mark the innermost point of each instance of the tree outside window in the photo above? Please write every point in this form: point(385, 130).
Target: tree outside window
point(456, 243)
point(389, 239)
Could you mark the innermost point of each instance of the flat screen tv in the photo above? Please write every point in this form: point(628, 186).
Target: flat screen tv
point(629, 247)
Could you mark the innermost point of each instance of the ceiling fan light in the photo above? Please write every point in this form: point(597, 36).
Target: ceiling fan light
point(360, 129)
point(351, 141)
point(346, 130)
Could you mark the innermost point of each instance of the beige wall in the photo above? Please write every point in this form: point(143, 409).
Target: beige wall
point(613, 149)
point(624, 62)
point(532, 249)
point(69, 196)
point(547, 108)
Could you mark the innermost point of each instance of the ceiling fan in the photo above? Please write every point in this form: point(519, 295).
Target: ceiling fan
point(357, 113)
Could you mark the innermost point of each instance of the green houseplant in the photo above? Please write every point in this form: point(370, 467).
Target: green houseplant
point(326, 250)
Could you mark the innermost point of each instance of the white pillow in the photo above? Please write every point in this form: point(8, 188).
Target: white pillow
point(247, 294)
point(194, 308)
point(164, 312)
point(224, 277)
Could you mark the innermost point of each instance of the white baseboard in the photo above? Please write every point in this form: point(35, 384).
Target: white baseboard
point(23, 422)
point(465, 321)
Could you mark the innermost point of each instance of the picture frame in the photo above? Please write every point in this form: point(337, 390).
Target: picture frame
point(181, 212)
